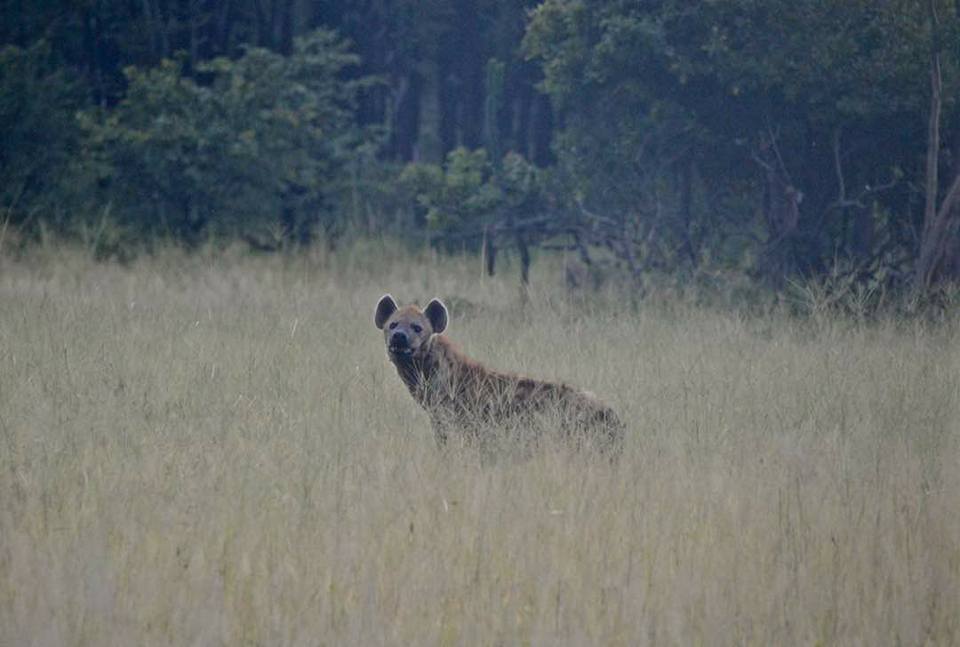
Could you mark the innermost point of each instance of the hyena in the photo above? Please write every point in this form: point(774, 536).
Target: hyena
point(463, 396)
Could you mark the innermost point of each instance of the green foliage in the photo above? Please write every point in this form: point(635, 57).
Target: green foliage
point(38, 132)
point(778, 137)
point(457, 195)
point(815, 98)
point(256, 150)
point(469, 193)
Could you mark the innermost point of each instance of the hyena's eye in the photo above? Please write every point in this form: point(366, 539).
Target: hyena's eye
point(393, 325)
point(417, 329)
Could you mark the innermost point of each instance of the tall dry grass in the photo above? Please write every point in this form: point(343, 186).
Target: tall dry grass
point(212, 450)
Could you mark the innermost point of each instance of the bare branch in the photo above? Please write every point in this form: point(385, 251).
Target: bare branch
point(838, 167)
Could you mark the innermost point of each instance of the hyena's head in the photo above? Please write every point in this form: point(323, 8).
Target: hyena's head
point(407, 330)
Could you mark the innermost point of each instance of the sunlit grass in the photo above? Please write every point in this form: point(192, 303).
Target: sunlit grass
point(214, 450)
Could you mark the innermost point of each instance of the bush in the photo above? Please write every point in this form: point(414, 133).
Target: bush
point(39, 134)
point(470, 193)
point(258, 147)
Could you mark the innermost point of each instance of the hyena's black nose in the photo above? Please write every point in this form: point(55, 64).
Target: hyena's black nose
point(399, 339)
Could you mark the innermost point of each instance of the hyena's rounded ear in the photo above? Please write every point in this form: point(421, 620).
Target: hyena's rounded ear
point(436, 313)
point(386, 306)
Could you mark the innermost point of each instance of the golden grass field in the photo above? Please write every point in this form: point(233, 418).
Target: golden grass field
point(214, 450)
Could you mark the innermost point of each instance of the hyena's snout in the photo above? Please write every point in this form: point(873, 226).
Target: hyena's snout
point(399, 342)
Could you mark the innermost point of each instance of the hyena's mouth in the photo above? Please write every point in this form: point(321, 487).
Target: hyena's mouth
point(400, 350)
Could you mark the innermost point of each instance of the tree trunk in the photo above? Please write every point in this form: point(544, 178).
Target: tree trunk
point(686, 209)
point(542, 125)
point(285, 26)
point(196, 35)
point(90, 51)
point(151, 20)
point(405, 129)
point(472, 64)
point(375, 47)
point(524, 258)
point(782, 211)
point(489, 253)
point(262, 22)
point(447, 99)
point(524, 104)
point(938, 238)
point(506, 113)
point(221, 27)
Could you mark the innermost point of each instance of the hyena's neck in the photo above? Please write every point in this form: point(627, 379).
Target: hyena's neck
point(416, 372)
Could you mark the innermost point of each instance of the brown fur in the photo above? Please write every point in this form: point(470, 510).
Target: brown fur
point(462, 395)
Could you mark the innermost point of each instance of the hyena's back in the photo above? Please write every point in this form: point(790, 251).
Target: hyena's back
point(463, 395)
point(474, 395)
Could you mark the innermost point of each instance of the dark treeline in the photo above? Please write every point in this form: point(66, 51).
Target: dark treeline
point(776, 139)
point(430, 54)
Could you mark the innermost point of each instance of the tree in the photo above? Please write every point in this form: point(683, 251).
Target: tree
point(793, 125)
point(939, 249)
point(39, 136)
point(473, 200)
point(256, 152)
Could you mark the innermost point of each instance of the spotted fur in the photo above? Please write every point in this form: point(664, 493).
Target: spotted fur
point(462, 396)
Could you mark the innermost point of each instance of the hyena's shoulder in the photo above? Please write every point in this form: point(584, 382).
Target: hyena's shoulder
point(448, 356)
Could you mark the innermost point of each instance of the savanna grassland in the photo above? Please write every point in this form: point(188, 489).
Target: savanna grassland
point(214, 450)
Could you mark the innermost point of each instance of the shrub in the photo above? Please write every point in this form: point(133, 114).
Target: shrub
point(256, 147)
point(38, 132)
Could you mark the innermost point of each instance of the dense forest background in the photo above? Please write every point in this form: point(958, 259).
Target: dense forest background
point(775, 139)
